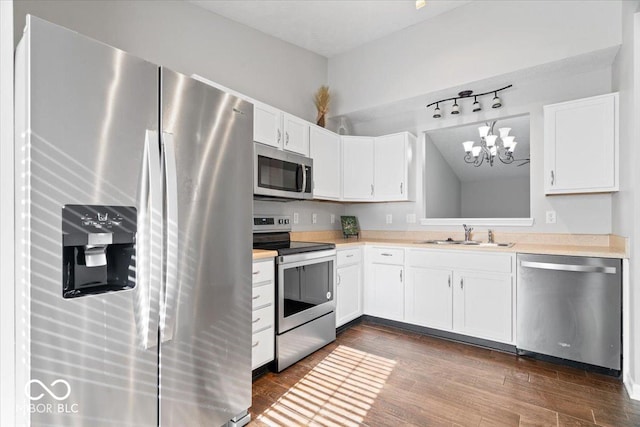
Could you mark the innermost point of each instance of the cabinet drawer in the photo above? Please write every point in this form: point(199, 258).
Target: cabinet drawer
point(263, 271)
point(262, 318)
point(262, 348)
point(263, 295)
point(387, 256)
point(349, 256)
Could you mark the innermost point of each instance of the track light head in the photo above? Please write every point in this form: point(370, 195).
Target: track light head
point(437, 113)
point(456, 108)
point(476, 105)
point(496, 102)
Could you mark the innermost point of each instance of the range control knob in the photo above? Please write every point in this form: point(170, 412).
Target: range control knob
point(286, 221)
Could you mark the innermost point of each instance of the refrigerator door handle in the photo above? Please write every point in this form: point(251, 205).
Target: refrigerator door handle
point(149, 242)
point(171, 282)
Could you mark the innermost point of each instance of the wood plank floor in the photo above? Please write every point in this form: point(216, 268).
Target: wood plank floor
point(380, 376)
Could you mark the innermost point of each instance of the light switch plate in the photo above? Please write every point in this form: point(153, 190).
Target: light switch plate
point(296, 218)
point(333, 218)
point(389, 218)
point(314, 218)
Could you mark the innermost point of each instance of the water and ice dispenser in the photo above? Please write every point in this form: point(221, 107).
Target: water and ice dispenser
point(98, 249)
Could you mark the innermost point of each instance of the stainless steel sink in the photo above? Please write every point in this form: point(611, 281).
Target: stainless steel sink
point(465, 243)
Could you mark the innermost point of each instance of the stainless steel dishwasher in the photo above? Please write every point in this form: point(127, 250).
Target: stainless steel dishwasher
point(570, 307)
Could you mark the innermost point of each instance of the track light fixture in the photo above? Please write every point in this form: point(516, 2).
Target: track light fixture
point(496, 102)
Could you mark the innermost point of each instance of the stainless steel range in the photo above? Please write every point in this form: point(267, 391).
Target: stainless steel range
point(306, 277)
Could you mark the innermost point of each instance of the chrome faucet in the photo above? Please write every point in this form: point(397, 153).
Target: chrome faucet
point(490, 236)
point(467, 232)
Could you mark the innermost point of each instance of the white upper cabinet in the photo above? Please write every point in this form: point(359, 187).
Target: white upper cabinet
point(281, 130)
point(267, 125)
point(296, 134)
point(581, 145)
point(324, 149)
point(393, 155)
point(357, 168)
point(378, 169)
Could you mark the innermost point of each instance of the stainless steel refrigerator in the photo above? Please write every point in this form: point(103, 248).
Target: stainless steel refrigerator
point(133, 242)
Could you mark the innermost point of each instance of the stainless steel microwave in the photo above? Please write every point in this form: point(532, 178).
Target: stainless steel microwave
point(281, 175)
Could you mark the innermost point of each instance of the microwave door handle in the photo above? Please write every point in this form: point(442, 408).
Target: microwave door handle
point(304, 178)
point(299, 178)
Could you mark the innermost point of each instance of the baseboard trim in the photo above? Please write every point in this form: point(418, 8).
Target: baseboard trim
point(451, 336)
point(633, 389)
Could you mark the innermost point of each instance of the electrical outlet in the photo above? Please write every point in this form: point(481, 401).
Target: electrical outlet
point(296, 218)
point(411, 218)
point(389, 218)
point(333, 218)
point(314, 218)
point(551, 217)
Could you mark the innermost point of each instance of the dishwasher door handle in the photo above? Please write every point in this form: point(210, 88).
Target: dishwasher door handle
point(568, 267)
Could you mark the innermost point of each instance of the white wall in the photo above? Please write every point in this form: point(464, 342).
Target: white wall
point(192, 40)
point(626, 203)
point(496, 198)
point(575, 214)
point(480, 40)
point(441, 184)
point(7, 308)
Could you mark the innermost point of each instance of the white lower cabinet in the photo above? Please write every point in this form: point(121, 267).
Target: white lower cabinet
point(429, 298)
point(384, 288)
point(483, 305)
point(263, 316)
point(468, 293)
point(349, 286)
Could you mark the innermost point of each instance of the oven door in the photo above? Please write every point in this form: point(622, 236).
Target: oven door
point(281, 174)
point(305, 288)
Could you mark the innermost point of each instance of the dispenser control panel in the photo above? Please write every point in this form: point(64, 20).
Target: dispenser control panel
point(98, 249)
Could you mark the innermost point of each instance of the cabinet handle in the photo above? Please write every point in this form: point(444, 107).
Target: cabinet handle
point(401, 275)
point(372, 189)
point(553, 178)
point(461, 283)
point(256, 321)
point(256, 297)
point(279, 136)
point(449, 281)
point(256, 272)
point(286, 140)
point(386, 254)
point(350, 256)
point(339, 279)
point(254, 345)
point(401, 189)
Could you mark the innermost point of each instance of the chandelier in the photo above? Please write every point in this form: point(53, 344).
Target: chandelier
point(491, 148)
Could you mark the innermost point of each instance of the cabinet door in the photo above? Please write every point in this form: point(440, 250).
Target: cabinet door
point(349, 294)
point(483, 305)
point(386, 296)
point(357, 168)
point(390, 167)
point(429, 298)
point(296, 135)
point(324, 149)
point(267, 125)
point(581, 145)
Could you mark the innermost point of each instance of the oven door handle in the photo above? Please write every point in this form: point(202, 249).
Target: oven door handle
point(304, 179)
point(299, 178)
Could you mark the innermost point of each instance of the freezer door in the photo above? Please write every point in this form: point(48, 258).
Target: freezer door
point(205, 356)
point(83, 114)
point(570, 307)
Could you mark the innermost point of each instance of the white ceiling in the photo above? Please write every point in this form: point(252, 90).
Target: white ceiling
point(449, 143)
point(328, 27)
